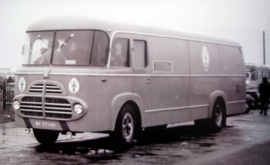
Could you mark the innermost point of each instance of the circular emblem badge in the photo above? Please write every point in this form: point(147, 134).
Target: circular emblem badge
point(205, 58)
point(22, 84)
point(74, 86)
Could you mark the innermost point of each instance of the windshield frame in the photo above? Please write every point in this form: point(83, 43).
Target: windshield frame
point(90, 53)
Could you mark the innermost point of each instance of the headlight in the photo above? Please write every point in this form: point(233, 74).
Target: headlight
point(78, 109)
point(16, 105)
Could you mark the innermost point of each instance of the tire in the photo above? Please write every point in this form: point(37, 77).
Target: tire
point(126, 126)
point(46, 136)
point(218, 119)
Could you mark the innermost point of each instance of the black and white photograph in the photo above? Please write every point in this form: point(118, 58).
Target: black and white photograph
point(134, 82)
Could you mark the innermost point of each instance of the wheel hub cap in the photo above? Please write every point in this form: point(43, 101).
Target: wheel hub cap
point(128, 126)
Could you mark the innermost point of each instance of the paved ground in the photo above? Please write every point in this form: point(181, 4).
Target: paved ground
point(182, 144)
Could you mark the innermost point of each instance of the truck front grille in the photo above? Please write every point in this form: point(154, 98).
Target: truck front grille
point(49, 88)
point(37, 88)
point(49, 108)
point(31, 106)
point(57, 108)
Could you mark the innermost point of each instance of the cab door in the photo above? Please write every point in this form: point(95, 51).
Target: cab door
point(140, 65)
point(141, 75)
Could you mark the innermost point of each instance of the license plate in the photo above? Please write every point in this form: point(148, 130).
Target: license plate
point(45, 124)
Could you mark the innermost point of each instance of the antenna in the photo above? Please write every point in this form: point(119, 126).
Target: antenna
point(263, 47)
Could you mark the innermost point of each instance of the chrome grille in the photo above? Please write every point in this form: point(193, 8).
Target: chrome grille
point(31, 106)
point(36, 88)
point(49, 88)
point(57, 108)
point(53, 107)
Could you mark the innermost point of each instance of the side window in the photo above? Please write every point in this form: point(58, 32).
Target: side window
point(256, 75)
point(120, 52)
point(253, 76)
point(259, 75)
point(140, 53)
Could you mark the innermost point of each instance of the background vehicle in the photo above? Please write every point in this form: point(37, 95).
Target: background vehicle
point(254, 75)
point(82, 74)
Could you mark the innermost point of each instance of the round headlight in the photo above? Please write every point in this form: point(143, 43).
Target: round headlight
point(16, 105)
point(78, 109)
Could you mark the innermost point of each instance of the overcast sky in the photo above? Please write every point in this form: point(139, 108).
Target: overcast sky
point(241, 20)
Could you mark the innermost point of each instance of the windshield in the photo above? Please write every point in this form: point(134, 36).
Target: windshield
point(70, 48)
point(38, 45)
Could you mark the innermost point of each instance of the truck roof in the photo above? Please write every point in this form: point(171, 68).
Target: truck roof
point(251, 67)
point(111, 26)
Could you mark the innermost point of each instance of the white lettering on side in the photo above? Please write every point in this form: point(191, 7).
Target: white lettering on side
point(162, 67)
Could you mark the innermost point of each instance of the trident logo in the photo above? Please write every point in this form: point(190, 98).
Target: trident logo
point(74, 86)
point(22, 84)
point(205, 58)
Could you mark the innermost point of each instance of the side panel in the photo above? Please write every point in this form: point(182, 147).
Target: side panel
point(233, 78)
point(205, 76)
point(165, 87)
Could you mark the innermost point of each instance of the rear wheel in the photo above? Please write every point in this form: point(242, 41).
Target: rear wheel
point(218, 115)
point(126, 126)
point(46, 136)
point(218, 119)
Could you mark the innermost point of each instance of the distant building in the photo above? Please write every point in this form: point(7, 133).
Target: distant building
point(6, 88)
point(6, 75)
point(5, 71)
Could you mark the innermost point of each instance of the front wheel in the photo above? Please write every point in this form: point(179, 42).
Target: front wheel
point(126, 126)
point(46, 136)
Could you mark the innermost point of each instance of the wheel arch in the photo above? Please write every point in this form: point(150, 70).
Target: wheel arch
point(120, 101)
point(214, 97)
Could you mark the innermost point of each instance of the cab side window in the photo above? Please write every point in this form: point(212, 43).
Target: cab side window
point(120, 52)
point(256, 74)
point(140, 53)
point(259, 77)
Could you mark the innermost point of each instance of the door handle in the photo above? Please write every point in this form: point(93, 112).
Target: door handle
point(103, 80)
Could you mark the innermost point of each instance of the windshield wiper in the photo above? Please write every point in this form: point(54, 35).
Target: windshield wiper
point(39, 37)
point(69, 37)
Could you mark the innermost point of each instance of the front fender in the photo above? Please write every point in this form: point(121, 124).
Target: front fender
point(118, 102)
